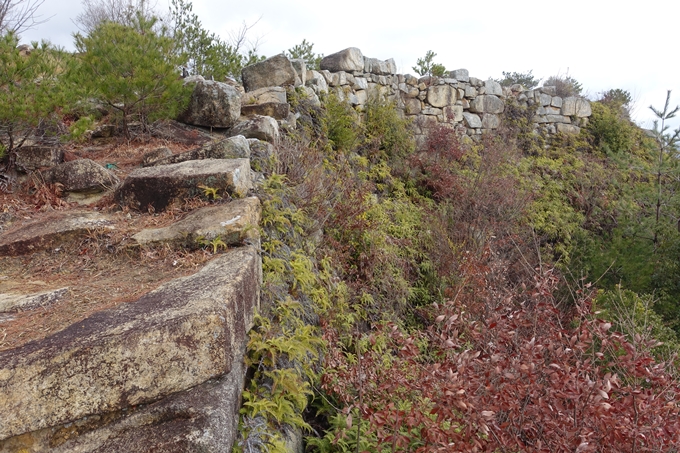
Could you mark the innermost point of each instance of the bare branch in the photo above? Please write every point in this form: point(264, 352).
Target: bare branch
point(17, 16)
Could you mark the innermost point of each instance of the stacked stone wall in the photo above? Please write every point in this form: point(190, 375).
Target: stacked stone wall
point(470, 105)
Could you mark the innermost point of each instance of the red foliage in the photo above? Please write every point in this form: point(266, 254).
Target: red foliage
point(507, 371)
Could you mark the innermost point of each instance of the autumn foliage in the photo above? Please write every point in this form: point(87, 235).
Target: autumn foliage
point(504, 371)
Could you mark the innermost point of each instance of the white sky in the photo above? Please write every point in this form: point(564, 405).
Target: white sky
point(602, 44)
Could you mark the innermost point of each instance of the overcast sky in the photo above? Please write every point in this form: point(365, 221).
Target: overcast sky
point(602, 44)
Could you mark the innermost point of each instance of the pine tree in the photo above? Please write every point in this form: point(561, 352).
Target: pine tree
point(30, 90)
point(132, 70)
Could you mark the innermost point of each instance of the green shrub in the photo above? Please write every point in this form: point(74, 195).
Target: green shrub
point(342, 123)
point(30, 91)
point(526, 79)
point(609, 132)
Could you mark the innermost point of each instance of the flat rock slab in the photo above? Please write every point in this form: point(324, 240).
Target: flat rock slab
point(48, 232)
point(172, 339)
point(204, 419)
point(157, 186)
point(231, 222)
point(230, 148)
point(10, 302)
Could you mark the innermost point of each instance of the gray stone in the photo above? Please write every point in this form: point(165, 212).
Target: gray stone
point(475, 82)
point(261, 127)
point(265, 95)
point(472, 120)
point(157, 186)
point(567, 128)
point(412, 106)
point(339, 79)
point(557, 119)
point(31, 158)
point(487, 104)
point(212, 104)
point(490, 121)
point(360, 83)
point(552, 110)
point(231, 222)
point(453, 114)
point(81, 175)
point(470, 92)
point(177, 132)
point(431, 111)
point(271, 109)
point(350, 60)
point(180, 335)
point(272, 72)
point(318, 82)
point(228, 148)
point(300, 67)
point(11, 302)
point(556, 101)
point(583, 109)
point(156, 155)
point(462, 75)
point(441, 95)
point(201, 419)
point(493, 87)
point(411, 80)
point(50, 231)
point(544, 99)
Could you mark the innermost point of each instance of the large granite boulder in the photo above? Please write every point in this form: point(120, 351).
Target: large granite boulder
point(212, 104)
point(274, 71)
point(231, 222)
point(31, 158)
point(441, 95)
point(575, 106)
point(268, 101)
point(349, 60)
point(189, 332)
point(50, 231)
point(487, 103)
point(156, 187)
point(81, 175)
point(229, 148)
point(260, 127)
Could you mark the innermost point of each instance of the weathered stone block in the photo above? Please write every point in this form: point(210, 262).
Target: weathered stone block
point(275, 71)
point(31, 158)
point(172, 339)
point(441, 95)
point(568, 128)
point(492, 87)
point(350, 60)
point(487, 104)
point(490, 121)
point(261, 127)
point(471, 120)
point(232, 222)
point(81, 175)
point(50, 231)
point(157, 186)
point(212, 104)
point(453, 114)
point(229, 148)
point(462, 75)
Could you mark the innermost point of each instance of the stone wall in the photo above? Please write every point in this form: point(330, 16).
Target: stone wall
point(468, 104)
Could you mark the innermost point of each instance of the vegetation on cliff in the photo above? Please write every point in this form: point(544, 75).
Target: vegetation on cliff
point(516, 293)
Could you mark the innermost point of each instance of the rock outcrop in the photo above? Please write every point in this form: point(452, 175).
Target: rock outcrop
point(212, 104)
point(155, 187)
